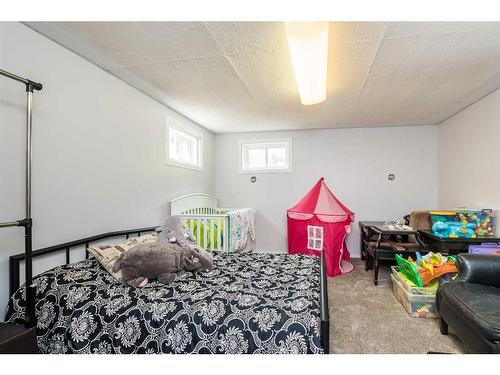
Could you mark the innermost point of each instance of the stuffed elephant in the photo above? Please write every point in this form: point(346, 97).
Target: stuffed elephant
point(159, 260)
point(174, 231)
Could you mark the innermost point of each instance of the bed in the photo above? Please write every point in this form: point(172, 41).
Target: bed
point(249, 303)
point(216, 229)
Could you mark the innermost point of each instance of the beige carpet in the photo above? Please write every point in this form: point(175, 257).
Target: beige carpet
point(366, 318)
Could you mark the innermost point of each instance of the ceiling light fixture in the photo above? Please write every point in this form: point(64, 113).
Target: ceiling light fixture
point(308, 44)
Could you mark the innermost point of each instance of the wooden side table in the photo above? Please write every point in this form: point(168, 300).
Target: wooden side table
point(15, 339)
point(366, 231)
point(378, 253)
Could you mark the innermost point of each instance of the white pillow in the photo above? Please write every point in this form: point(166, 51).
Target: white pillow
point(108, 254)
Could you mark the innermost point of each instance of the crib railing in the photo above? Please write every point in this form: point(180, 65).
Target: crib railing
point(202, 211)
point(211, 229)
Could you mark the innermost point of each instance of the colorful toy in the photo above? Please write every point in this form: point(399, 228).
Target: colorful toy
point(429, 267)
point(442, 216)
point(454, 229)
point(463, 223)
point(441, 229)
point(484, 220)
point(421, 304)
point(462, 229)
point(431, 286)
point(414, 282)
point(425, 310)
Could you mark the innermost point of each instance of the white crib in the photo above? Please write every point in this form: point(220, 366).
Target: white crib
point(200, 209)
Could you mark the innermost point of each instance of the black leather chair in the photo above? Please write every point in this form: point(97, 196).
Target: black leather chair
point(470, 305)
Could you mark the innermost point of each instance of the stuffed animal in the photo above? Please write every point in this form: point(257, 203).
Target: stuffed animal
point(159, 260)
point(174, 231)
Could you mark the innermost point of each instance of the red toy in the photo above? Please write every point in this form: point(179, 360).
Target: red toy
point(320, 222)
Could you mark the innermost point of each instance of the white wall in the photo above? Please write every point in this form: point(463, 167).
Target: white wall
point(98, 150)
point(355, 164)
point(469, 157)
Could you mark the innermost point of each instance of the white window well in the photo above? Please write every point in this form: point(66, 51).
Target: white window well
point(271, 155)
point(315, 238)
point(183, 148)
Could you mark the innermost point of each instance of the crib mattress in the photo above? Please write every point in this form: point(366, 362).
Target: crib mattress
point(249, 303)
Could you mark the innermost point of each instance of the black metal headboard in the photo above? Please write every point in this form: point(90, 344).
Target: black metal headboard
point(15, 260)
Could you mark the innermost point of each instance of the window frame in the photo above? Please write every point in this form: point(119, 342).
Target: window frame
point(314, 238)
point(175, 163)
point(267, 142)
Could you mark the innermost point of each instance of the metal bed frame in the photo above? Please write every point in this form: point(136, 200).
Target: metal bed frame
point(15, 270)
point(27, 222)
point(323, 305)
point(15, 260)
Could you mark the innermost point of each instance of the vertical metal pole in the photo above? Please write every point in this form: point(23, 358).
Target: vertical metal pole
point(30, 288)
point(27, 222)
point(29, 91)
point(28, 240)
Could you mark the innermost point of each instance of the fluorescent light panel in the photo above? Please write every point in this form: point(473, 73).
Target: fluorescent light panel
point(308, 44)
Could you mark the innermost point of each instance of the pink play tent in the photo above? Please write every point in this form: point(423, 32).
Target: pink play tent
point(320, 222)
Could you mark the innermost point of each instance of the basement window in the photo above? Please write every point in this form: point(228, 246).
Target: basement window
point(184, 149)
point(273, 155)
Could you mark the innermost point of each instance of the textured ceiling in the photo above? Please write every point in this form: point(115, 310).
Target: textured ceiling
point(237, 76)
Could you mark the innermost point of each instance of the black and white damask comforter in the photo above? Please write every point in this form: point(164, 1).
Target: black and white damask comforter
point(249, 303)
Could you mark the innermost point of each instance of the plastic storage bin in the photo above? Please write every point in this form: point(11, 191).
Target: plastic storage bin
point(417, 305)
point(485, 248)
point(411, 289)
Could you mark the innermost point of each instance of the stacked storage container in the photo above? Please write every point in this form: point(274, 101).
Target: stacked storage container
point(418, 302)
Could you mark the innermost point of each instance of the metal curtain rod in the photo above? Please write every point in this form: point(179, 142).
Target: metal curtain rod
point(27, 222)
point(27, 82)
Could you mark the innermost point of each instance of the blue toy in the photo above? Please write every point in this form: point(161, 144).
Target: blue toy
point(441, 229)
point(462, 230)
point(459, 224)
point(454, 229)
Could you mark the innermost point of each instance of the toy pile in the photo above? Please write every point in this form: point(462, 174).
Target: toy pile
point(425, 271)
point(463, 223)
point(414, 282)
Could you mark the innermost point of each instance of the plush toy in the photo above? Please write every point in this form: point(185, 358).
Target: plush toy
point(174, 231)
point(159, 260)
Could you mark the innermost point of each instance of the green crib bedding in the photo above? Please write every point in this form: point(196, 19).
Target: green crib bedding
point(208, 227)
